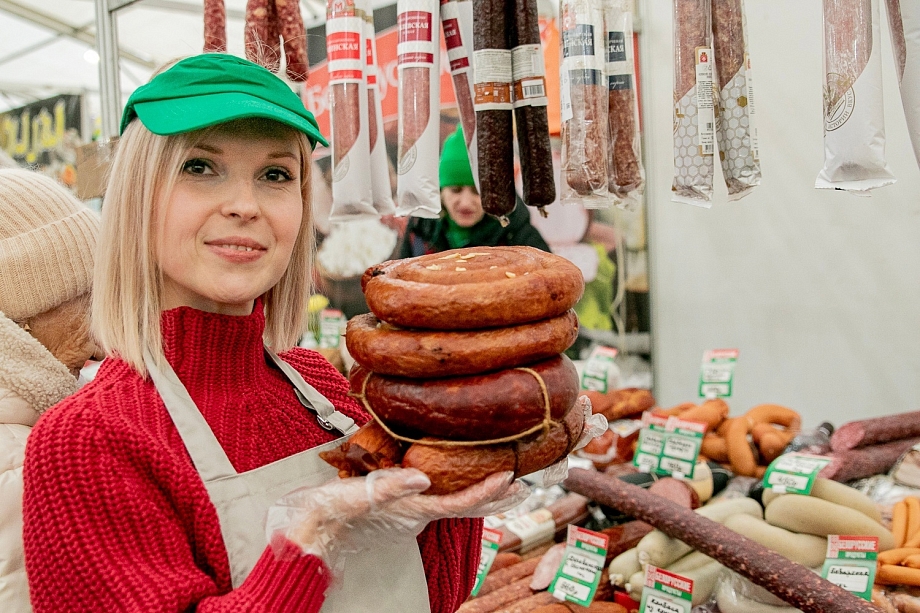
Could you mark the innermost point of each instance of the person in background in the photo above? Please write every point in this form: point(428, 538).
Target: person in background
point(148, 490)
point(463, 222)
point(47, 244)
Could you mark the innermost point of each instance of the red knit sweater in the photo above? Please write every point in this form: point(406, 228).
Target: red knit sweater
point(117, 518)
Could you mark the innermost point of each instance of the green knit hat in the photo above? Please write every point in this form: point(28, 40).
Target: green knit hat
point(454, 169)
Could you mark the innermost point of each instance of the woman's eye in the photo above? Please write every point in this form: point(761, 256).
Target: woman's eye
point(197, 167)
point(278, 175)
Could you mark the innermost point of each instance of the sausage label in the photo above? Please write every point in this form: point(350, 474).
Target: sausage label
point(669, 446)
point(717, 373)
point(534, 528)
point(493, 73)
point(851, 563)
point(666, 592)
point(794, 473)
point(619, 62)
point(491, 539)
point(579, 574)
point(415, 46)
point(457, 24)
point(529, 75)
point(705, 103)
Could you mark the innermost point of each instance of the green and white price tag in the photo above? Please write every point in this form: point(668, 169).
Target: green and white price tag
point(851, 563)
point(794, 473)
point(669, 445)
point(491, 539)
point(597, 369)
point(580, 573)
point(666, 592)
point(331, 323)
point(717, 373)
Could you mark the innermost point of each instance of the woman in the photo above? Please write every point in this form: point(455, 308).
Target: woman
point(148, 489)
point(463, 222)
point(47, 241)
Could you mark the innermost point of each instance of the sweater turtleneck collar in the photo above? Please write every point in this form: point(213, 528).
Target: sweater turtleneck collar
point(221, 349)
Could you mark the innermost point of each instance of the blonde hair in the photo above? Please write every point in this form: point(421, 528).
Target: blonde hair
point(128, 284)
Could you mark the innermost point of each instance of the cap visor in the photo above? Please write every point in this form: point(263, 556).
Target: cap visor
point(180, 115)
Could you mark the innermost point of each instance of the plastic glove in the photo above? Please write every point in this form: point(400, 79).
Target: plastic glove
point(312, 518)
point(595, 425)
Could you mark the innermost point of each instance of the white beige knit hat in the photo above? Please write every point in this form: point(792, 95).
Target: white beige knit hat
point(47, 244)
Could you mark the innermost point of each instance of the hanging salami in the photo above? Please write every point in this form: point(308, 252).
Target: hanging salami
point(457, 23)
point(215, 26)
point(261, 39)
point(351, 183)
point(854, 118)
point(380, 169)
point(904, 18)
point(737, 128)
point(694, 103)
point(294, 36)
point(418, 60)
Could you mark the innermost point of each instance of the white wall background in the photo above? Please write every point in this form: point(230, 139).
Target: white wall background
point(819, 290)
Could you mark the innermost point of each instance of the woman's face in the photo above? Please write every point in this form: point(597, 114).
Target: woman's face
point(463, 205)
point(226, 233)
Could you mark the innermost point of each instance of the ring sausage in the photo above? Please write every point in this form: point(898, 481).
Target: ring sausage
point(386, 350)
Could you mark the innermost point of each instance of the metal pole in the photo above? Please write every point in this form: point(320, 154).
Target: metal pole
point(109, 85)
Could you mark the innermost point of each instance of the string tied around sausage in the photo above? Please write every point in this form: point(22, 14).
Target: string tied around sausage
point(544, 425)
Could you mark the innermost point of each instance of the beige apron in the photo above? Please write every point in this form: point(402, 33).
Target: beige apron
point(372, 582)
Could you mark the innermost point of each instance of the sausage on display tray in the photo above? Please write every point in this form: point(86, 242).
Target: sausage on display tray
point(854, 120)
point(866, 461)
point(260, 35)
point(584, 104)
point(694, 103)
point(738, 146)
point(215, 26)
point(791, 582)
point(875, 430)
point(493, 102)
point(529, 74)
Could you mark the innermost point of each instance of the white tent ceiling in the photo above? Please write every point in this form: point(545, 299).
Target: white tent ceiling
point(43, 43)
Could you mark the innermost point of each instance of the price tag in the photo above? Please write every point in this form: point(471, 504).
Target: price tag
point(597, 369)
point(533, 529)
point(666, 592)
point(794, 473)
point(491, 539)
point(669, 445)
point(717, 373)
point(580, 572)
point(851, 562)
point(331, 322)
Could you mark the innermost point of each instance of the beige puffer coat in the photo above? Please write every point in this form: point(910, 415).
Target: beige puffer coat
point(31, 380)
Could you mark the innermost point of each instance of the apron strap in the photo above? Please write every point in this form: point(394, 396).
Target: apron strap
point(208, 456)
point(326, 414)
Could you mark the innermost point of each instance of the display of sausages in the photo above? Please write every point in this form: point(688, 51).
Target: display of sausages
point(260, 35)
point(854, 118)
point(530, 102)
point(694, 103)
point(352, 194)
point(625, 174)
point(584, 104)
point(866, 461)
point(738, 146)
point(215, 26)
point(418, 138)
point(381, 190)
point(457, 24)
point(876, 430)
point(904, 18)
point(294, 37)
point(791, 582)
point(570, 509)
point(492, 71)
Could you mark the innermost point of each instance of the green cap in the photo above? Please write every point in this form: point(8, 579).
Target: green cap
point(454, 169)
point(214, 88)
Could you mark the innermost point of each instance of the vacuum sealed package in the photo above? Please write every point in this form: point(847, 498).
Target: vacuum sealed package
point(904, 18)
point(583, 90)
point(737, 128)
point(493, 73)
point(418, 141)
point(380, 168)
point(694, 103)
point(457, 23)
point(351, 183)
point(854, 117)
point(625, 175)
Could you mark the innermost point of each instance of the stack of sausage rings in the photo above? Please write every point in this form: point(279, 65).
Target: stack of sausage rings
point(460, 363)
